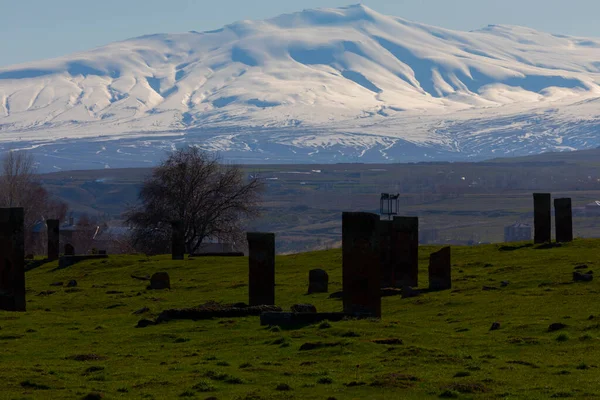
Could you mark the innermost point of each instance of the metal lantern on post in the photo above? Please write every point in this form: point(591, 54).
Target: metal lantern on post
point(389, 204)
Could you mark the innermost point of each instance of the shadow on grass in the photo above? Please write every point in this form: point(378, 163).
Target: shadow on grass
point(513, 248)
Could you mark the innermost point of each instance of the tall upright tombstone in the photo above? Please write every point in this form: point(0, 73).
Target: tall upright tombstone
point(440, 270)
point(361, 272)
point(53, 229)
point(563, 219)
point(177, 240)
point(12, 259)
point(542, 217)
point(261, 268)
point(405, 255)
point(387, 266)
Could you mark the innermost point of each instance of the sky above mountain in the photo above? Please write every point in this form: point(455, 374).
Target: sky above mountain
point(40, 29)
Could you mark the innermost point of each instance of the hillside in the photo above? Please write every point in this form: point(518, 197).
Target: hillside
point(324, 85)
point(447, 347)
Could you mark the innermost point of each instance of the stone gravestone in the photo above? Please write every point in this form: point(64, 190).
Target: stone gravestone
point(388, 273)
point(563, 219)
point(360, 263)
point(177, 240)
point(12, 259)
point(69, 250)
point(261, 266)
point(53, 229)
point(159, 281)
point(318, 281)
point(542, 217)
point(440, 275)
point(405, 251)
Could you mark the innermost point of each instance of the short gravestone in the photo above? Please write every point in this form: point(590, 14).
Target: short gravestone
point(160, 281)
point(177, 240)
point(69, 250)
point(387, 266)
point(405, 251)
point(563, 219)
point(53, 230)
point(360, 264)
point(12, 259)
point(261, 268)
point(542, 217)
point(440, 276)
point(318, 281)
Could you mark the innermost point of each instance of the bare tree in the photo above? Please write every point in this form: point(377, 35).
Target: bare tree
point(19, 187)
point(213, 201)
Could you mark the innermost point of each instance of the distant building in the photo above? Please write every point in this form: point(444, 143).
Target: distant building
point(517, 232)
point(592, 209)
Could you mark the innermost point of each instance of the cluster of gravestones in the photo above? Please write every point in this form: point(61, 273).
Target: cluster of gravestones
point(12, 253)
point(542, 219)
point(375, 253)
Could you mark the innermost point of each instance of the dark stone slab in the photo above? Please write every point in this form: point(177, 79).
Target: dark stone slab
point(67, 261)
point(177, 240)
point(215, 310)
point(440, 276)
point(542, 217)
point(230, 254)
point(563, 218)
point(291, 319)
point(12, 259)
point(261, 266)
point(318, 281)
point(405, 251)
point(360, 263)
point(53, 230)
point(69, 250)
point(387, 266)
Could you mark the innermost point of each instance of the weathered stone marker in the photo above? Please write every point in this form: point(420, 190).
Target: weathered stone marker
point(69, 250)
point(360, 263)
point(542, 217)
point(261, 263)
point(389, 273)
point(563, 219)
point(440, 276)
point(12, 259)
point(177, 240)
point(318, 281)
point(405, 251)
point(53, 229)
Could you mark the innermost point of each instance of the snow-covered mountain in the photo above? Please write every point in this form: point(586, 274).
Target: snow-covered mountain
point(325, 85)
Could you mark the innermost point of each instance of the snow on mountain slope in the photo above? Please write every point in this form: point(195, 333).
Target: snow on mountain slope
point(345, 84)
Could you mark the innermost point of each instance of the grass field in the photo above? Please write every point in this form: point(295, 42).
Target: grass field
point(82, 342)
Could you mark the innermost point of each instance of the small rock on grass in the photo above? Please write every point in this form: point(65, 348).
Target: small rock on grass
point(579, 277)
point(495, 326)
point(144, 323)
point(556, 327)
point(72, 283)
point(141, 311)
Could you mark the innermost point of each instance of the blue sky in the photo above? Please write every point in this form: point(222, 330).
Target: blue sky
point(38, 29)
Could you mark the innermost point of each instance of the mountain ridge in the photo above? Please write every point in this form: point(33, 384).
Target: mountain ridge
point(345, 84)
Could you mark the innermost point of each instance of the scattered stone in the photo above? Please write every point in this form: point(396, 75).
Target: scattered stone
point(144, 323)
point(304, 308)
point(495, 326)
point(590, 272)
point(408, 292)
point(556, 327)
point(114, 292)
point(584, 266)
point(318, 345)
point(591, 317)
point(392, 341)
point(318, 281)
point(93, 396)
point(160, 281)
point(72, 283)
point(141, 311)
point(336, 295)
point(215, 310)
point(86, 357)
point(56, 284)
point(504, 283)
point(579, 277)
point(46, 293)
point(488, 288)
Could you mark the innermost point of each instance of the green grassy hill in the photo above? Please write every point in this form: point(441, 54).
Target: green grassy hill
point(83, 340)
